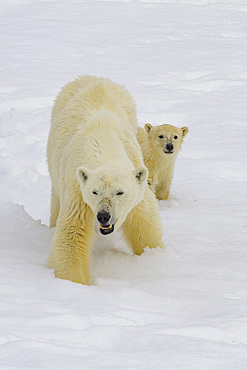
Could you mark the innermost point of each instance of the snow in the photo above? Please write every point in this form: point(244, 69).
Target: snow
point(180, 307)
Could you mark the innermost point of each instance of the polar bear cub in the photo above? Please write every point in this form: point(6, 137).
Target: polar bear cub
point(160, 146)
point(97, 174)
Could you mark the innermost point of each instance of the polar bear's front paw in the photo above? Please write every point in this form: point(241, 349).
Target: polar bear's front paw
point(72, 276)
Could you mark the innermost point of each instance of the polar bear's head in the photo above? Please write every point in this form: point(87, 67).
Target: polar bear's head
point(112, 193)
point(166, 138)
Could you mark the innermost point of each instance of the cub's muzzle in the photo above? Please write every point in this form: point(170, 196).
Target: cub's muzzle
point(169, 149)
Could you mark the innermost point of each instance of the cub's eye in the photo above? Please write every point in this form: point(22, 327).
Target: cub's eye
point(95, 193)
point(161, 136)
point(175, 137)
point(120, 193)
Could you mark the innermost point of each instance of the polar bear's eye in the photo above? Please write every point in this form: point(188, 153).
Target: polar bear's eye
point(95, 192)
point(120, 193)
point(161, 136)
point(175, 137)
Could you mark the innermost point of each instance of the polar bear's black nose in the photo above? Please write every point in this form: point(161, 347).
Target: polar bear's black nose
point(103, 217)
point(169, 147)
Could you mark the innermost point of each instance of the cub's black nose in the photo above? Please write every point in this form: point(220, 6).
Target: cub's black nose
point(103, 217)
point(169, 147)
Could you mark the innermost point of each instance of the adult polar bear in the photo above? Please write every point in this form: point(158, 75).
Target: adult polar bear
point(97, 172)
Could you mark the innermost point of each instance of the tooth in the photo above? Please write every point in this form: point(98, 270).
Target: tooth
point(105, 228)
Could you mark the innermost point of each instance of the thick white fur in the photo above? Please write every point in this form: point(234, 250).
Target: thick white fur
point(95, 161)
point(153, 141)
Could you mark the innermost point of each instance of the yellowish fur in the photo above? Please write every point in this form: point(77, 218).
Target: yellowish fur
point(94, 158)
point(157, 158)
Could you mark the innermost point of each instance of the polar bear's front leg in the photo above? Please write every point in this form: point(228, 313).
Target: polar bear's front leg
point(55, 205)
point(71, 244)
point(163, 187)
point(142, 227)
point(162, 191)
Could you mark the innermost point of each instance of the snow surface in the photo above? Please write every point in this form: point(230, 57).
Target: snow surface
point(181, 307)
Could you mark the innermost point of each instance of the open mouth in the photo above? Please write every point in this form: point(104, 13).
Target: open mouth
point(107, 229)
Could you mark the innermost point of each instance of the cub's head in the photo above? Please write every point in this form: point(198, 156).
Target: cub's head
point(111, 193)
point(166, 138)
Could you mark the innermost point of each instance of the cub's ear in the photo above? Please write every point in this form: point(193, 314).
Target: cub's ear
point(82, 174)
point(141, 174)
point(185, 131)
point(148, 127)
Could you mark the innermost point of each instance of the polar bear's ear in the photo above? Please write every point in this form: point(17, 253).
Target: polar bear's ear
point(141, 174)
point(185, 131)
point(82, 174)
point(148, 127)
